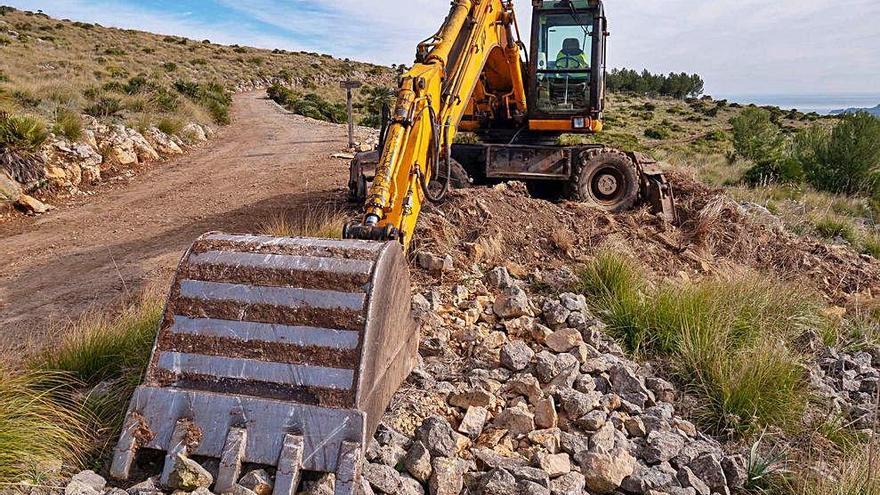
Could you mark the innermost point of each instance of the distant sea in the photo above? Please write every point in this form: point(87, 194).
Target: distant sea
point(821, 104)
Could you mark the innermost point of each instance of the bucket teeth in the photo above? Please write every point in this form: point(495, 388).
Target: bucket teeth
point(276, 350)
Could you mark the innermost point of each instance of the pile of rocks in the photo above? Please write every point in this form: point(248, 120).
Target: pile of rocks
point(851, 383)
point(546, 404)
point(532, 398)
point(68, 166)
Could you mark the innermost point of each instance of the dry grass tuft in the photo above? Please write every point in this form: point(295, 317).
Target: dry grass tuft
point(729, 339)
point(69, 402)
point(312, 221)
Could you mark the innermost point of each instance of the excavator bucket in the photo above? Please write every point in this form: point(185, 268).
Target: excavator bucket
point(281, 352)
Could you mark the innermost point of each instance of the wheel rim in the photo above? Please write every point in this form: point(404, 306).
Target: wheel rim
point(608, 186)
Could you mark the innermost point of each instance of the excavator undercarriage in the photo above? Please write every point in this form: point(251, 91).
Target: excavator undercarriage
point(606, 178)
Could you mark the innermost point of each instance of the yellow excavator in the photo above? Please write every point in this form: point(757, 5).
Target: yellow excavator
point(285, 352)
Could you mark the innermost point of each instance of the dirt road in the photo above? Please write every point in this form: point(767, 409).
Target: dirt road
point(90, 254)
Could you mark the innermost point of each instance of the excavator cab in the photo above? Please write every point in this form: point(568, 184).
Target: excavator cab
point(567, 66)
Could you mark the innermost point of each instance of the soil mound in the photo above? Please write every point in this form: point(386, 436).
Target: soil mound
point(504, 225)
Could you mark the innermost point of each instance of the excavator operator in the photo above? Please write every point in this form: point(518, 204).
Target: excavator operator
point(572, 56)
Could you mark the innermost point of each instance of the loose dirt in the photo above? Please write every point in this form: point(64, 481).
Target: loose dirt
point(715, 235)
point(91, 252)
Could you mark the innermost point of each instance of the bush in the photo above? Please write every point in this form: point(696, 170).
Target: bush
point(169, 66)
point(281, 94)
point(756, 137)
point(26, 98)
point(165, 100)
point(657, 133)
point(837, 228)
point(68, 124)
point(170, 126)
point(844, 160)
point(785, 171)
point(727, 339)
point(377, 97)
point(212, 96)
point(104, 106)
point(22, 132)
point(310, 105)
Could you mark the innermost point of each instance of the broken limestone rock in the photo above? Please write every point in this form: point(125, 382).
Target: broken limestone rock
point(418, 462)
point(258, 481)
point(439, 437)
point(188, 475)
point(516, 355)
point(447, 477)
point(86, 483)
point(512, 303)
point(604, 473)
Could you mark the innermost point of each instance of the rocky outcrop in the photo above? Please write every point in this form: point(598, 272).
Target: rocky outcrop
point(103, 151)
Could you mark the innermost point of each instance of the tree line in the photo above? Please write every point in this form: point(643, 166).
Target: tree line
point(676, 85)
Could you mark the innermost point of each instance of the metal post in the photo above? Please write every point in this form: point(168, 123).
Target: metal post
point(349, 86)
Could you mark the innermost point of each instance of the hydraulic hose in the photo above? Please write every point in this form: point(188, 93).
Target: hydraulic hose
point(435, 160)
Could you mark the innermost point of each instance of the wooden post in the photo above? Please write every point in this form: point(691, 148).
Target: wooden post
point(349, 86)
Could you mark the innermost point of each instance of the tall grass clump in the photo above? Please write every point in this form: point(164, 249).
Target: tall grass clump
point(40, 423)
point(68, 124)
point(22, 132)
point(314, 221)
point(68, 403)
point(726, 338)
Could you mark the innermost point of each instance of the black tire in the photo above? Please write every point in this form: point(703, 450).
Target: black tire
point(460, 177)
point(606, 179)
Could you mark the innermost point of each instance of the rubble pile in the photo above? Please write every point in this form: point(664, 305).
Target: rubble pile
point(544, 402)
point(850, 383)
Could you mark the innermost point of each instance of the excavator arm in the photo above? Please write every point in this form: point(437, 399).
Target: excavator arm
point(472, 66)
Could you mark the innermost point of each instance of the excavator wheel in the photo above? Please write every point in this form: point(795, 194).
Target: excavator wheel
point(282, 352)
point(607, 179)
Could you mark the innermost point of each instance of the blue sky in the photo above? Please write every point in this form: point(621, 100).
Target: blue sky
point(739, 46)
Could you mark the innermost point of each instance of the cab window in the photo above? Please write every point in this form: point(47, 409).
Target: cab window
point(564, 61)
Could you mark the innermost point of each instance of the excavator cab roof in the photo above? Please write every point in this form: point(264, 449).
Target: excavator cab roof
point(566, 4)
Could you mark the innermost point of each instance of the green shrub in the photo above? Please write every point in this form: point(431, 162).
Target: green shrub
point(118, 52)
point(68, 124)
point(104, 106)
point(26, 98)
point(137, 84)
point(281, 94)
point(22, 132)
point(170, 126)
point(756, 137)
point(657, 133)
point(212, 96)
point(187, 88)
point(376, 97)
point(169, 66)
point(3, 77)
point(165, 100)
point(833, 228)
point(727, 339)
point(871, 245)
point(784, 171)
point(844, 160)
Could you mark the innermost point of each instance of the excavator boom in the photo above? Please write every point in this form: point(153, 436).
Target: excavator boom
point(476, 51)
